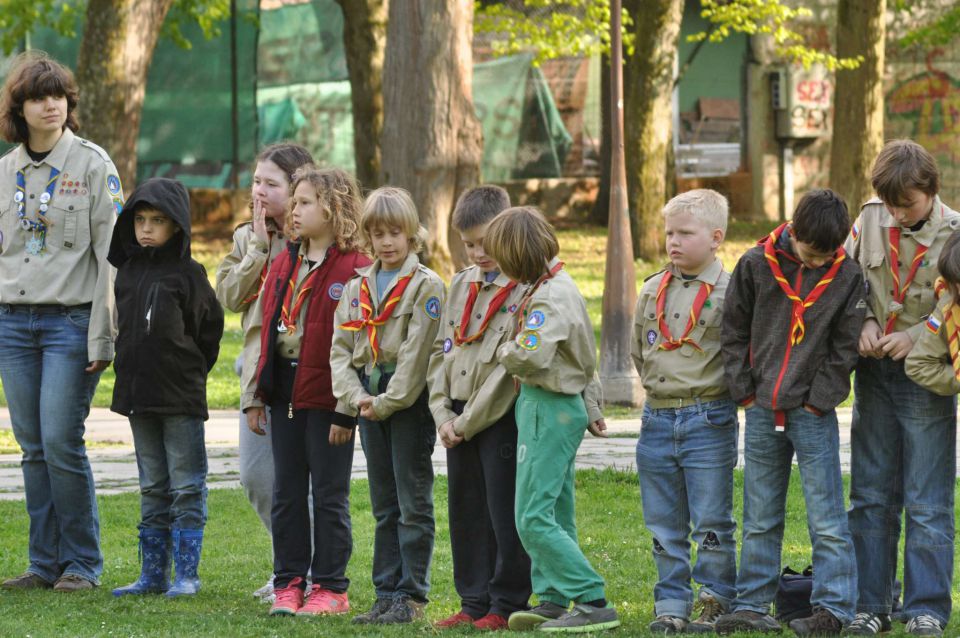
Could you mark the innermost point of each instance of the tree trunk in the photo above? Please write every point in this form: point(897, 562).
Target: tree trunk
point(601, 207)
point(364, 39)
point(119, 38)
point(858, 103)
point(431, 140)
point(648, 99)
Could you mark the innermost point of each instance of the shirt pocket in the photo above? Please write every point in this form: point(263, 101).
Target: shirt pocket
point(71, 224)
point(706, 332)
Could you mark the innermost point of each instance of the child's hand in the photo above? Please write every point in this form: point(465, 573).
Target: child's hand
point(448, 436)
point(256, 419)
point(96, 366)
point(870, 336)
point(340, 435)
point(366, 409)
point(598, 428)
point(260, 222)
point(895, 345)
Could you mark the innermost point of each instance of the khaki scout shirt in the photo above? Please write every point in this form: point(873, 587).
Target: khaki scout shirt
point(238, 278)
point(685, 372)
point(288, 343)
point(929, 363)
point(471, 372)
point(405, 340)
point(73, 268)
point(869, 244)
point(556, 349)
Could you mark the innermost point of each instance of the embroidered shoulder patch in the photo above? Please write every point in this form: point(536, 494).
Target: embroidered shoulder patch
point(335, 291)
point(536, 320)
point(933, 324)
point(113, 185)
point(529, 339)
point(432, 308)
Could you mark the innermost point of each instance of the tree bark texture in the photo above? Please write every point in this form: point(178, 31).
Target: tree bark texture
point(431, 140)
point(601, 207)
point(115, 54)
point(858, 100)
point(648, 121)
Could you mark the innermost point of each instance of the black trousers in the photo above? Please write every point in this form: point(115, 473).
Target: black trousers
point(491, 570)
point(302, 453)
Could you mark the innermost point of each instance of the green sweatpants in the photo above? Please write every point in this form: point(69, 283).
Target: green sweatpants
point(550, 427)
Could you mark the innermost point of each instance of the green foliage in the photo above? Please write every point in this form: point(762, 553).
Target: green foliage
point(207, 14)
point(940, 32)
point(551, 28)
point(770, 17)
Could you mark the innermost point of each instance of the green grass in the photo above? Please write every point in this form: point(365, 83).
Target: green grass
point(236, 560)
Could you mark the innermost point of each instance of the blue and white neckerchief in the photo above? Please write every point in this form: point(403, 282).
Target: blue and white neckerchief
point(35, 244)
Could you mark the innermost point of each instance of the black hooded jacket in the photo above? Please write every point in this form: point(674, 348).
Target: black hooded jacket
point(169, 320)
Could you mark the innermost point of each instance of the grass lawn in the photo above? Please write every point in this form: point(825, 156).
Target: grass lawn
point(236, 560)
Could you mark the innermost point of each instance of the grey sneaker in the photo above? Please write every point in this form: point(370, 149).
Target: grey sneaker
point(668, 625)
point(265, 592)
point(868, 624)
point(710, 609)
point(747, 621)
point(532, 618)
point(26, 580)
point(924, 625)
point(404, 610)
point(582, 619)
point(380, 607)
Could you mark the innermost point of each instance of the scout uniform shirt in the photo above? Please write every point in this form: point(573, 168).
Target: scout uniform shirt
point(555, 348)
point(690, 366)
point(404, 341)
point(72, 268)
point(239, 279)
point(930, 363)
point(470, 371)
point(869, 244)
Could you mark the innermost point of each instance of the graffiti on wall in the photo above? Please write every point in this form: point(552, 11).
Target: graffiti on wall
point(926, 108)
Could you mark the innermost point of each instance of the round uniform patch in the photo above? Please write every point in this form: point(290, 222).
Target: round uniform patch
point(113, 184)
point(528, 340)
point(432, 307)
point(335, 291)
point(118, 206)
point(447, 345)
point(354, 302)
point(535, 320)
point(651, 337)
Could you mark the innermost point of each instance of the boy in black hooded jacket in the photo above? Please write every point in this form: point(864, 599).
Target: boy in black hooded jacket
point(170, 325)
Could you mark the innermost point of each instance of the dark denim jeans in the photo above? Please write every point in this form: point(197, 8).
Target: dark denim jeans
point(685, 459)
point(172, 462)
point(768, 455)
point(43, 353)
point(903, 461)
point(400, 473)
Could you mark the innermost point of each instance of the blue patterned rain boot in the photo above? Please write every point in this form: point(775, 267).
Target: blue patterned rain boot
point(186, 558)
point(154, 564)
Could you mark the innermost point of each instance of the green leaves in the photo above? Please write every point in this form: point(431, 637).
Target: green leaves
point(19, 17)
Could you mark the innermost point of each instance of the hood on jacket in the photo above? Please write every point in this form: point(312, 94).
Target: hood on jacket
point(165, 195)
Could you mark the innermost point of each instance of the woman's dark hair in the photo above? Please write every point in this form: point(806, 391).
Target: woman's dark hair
point(34, 76)
point(288, 156)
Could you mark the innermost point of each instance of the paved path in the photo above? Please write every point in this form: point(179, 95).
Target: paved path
point(115, 467)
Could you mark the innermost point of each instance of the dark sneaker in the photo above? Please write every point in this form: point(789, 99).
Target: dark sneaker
point(404, 610)
point(532, 618)
point(583, 618)
point(868, 624)
point(747, 621)
point(924, 625)
point(710, 609)
point(668, 625)
point(820, 623)
point(379, 608)
point(71, 583)
point(26, 580)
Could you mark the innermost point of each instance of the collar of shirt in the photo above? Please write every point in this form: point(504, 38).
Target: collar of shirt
point(303, 251)
point(410, 264)
point(501, 281)
point(925, 235)
point(709, 275)
point(58, 154)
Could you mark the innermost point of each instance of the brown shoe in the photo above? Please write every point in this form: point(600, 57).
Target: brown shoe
point(71, 583)
point(26, 580)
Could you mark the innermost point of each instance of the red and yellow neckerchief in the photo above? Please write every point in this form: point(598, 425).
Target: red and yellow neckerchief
point(288, 316)
point(951, 316)
point(495, 304)
point(669, 343)
point(899, 294)
point(366, 311)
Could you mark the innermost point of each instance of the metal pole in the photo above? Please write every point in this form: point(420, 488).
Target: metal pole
point(234, 104)
point(621, 384)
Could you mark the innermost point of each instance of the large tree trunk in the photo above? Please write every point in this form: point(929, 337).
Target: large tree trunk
point(601, 206)
point(118, 43)
point(431, 141)
point(858, 104)
point(648, 95)
point(364, 39)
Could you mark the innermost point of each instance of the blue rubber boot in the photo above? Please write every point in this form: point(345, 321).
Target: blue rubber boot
point(154, 564)
point(186, 557)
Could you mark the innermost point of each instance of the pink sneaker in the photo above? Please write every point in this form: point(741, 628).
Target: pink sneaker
point(289, 599)
point(322, 602)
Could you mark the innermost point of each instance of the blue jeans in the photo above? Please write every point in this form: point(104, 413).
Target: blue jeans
point(400, 474)
point(172, 462)
point(768, 456)
point(903, 446)
point(685, 459)
point(43, 353)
